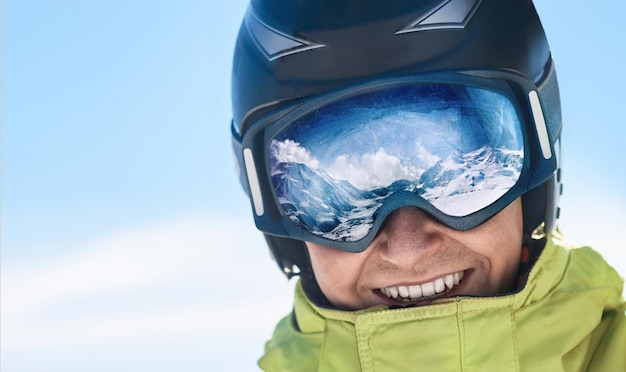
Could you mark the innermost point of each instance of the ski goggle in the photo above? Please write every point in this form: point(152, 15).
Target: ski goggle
point(459, 147)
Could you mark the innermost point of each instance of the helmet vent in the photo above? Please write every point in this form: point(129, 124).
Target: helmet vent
point(272, 42)
point(449, 14)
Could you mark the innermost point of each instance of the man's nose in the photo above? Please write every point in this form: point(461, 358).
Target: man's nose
point(408, 235)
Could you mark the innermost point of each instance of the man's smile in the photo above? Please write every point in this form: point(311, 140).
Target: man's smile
point(435, 288)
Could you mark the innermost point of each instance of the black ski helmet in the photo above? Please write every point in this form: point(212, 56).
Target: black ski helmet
point(289, 50)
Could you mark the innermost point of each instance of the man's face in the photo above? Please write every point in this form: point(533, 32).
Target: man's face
point(414, 260)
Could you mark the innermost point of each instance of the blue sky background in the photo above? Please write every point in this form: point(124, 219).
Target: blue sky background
point(127, 243)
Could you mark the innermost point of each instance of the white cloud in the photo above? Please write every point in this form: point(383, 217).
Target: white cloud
point(124, 260)
point(370, 170)
point(429, 159)
point(364, 171)
point(137, 326)
point(127, 286)
point(291, 151)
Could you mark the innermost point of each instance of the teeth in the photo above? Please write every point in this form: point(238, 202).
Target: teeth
point(428, 289)
point(415, 292)
point(393, 291)
point(403, 291)
point(439, 286)
point(458, 277)
point(449, 279)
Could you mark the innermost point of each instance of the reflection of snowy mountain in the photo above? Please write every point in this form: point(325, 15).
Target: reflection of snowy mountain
point(321, 203)
point(334, 208)
point(477, 171)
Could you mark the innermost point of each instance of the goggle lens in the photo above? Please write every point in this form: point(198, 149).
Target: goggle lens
point(458, 147)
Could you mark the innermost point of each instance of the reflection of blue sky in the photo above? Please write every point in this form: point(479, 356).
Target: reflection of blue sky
point(115, 125)
point(357, 139)
point(458, 119)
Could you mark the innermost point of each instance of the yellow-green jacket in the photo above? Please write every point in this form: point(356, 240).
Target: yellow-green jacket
point(569, 317)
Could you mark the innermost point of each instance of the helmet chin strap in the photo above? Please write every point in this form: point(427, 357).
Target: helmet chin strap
point(290, 255)
point(292, 258)
point(531, 250)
